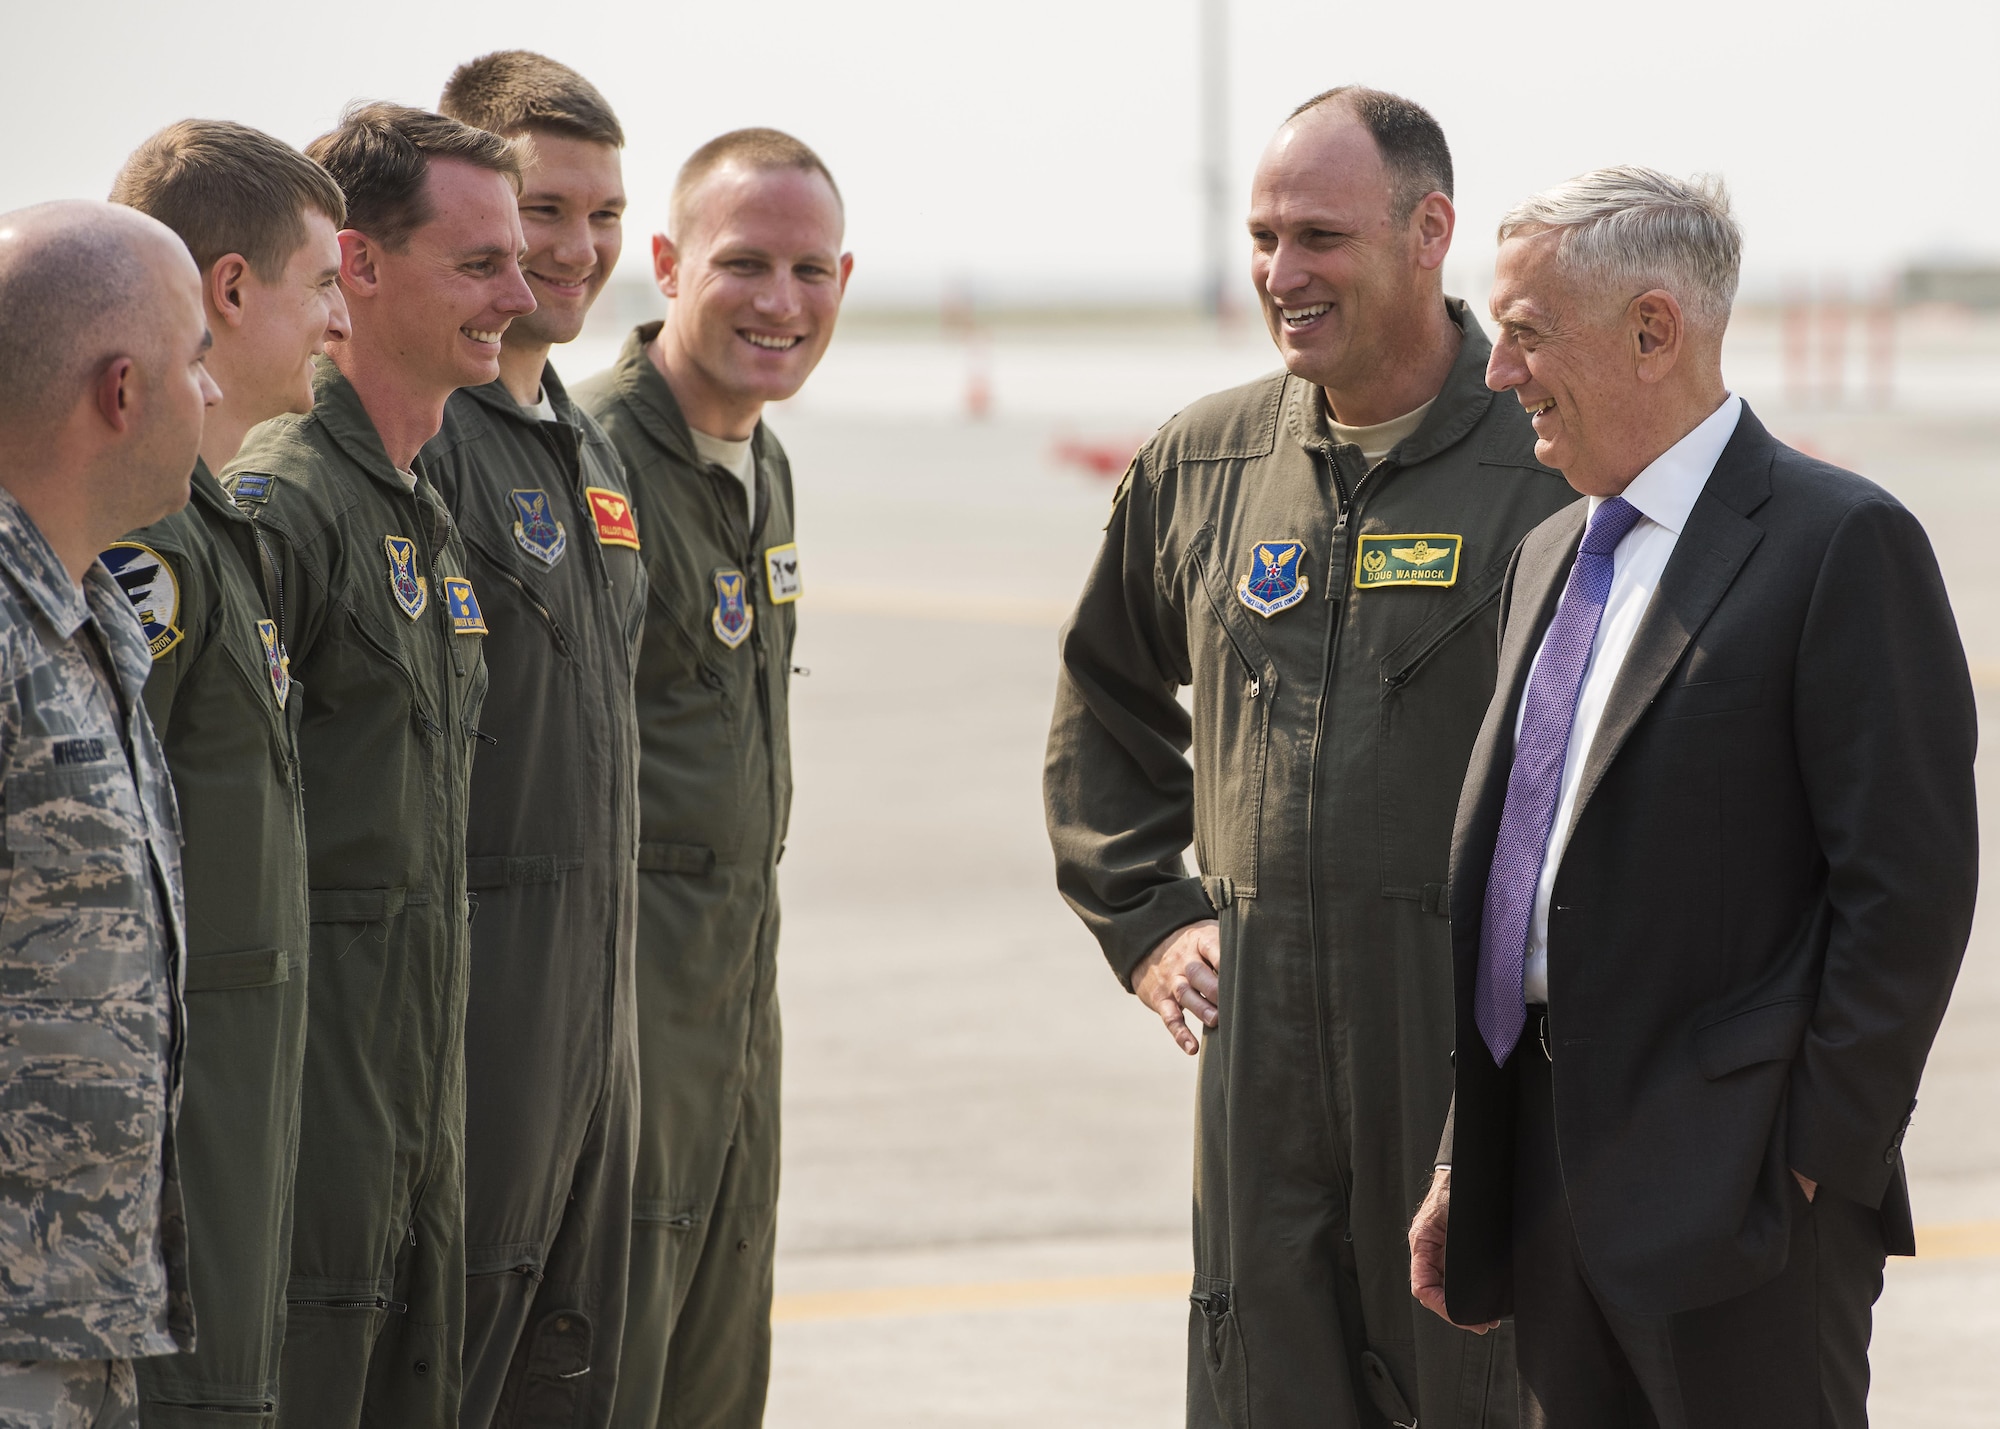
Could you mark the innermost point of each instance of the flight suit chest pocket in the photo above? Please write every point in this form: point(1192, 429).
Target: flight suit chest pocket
point(1235, 686)
point(80, 907)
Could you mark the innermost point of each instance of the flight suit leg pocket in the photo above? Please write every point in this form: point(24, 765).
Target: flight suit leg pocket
point(1216, 1345)
point(556, 1379)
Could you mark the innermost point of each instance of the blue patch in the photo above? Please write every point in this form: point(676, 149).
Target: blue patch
point(276, 660)
point(411, 590)
point(1275, 581)
point(463, 607)
point(148, 582)
point(536, 529)
point(251, 488)
point(733, 616)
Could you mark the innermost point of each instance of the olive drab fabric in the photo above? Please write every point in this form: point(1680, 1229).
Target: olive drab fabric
point(551, 1045)
point(1337, 627)
point(715, 792)
point(383, 627)
point(93, 1247)
point(221, 697)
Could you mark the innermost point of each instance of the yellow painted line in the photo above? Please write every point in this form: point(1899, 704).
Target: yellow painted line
point(1951, 1242)
point(937, 605)
point(1959, 1242)
point(900, 1300)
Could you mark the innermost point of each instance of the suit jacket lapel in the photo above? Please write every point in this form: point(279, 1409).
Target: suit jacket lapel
point(1717, 540)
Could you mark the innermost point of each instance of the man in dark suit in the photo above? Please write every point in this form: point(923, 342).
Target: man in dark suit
point(1714, 864)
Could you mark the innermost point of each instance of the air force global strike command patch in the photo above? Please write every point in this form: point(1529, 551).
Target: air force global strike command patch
point(536, 529)
point(612, 514)
point(411, 590)
point(1429, 559)
point(781, 573)
point(1275, 581)
point(732, 617)
point(148, 581)
point(276, 660)
point(463, 607)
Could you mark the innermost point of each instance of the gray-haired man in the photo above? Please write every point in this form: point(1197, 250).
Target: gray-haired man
point(1714, 865)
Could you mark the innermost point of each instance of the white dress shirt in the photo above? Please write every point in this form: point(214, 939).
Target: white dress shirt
point(1664, 493)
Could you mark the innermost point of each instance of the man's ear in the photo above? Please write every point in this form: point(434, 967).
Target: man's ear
point(115, 396)
point(224, 289)
point(1659, 331)
point(846, 271)
point(666, 265)
point(1432, 224)
point(359, 272)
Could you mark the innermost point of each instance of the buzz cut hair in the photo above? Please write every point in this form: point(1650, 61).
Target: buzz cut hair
point(516, 92)
point(1635, 229)
point(759, 150)
point(1409, 140)
point(227, 188)
point(381, 154)
point(71, 298)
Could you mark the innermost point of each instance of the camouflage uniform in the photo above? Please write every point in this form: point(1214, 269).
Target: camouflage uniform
point(68, 1394)
point(93, 1249)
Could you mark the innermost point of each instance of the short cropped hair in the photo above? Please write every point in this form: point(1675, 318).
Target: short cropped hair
point(1410, 141)
point(1639, 229)
point(515, 92)
point(70, 299)
point(226, 188)
point(381, 154)
point(754, 149)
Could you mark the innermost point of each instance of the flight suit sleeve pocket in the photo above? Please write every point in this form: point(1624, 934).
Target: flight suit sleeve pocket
point(223, 972)
point(1771, 1033)
point(1218, 1348)
point(676, 858)
point(356, 905)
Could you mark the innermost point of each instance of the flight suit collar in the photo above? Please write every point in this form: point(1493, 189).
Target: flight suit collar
point(338, 411)
point(1459, 405)
point(205, 491)
point(495, 396)
point(639, 382)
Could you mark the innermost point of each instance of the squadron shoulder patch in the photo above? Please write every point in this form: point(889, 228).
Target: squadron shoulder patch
point(1429, 559)
point(536, 529)
point(732, 617)
point(149, 583)
point(781, 573)
point(463, 607)
point(612, 513)
point(412, 591)
point(276, 660)
point(1275, 581)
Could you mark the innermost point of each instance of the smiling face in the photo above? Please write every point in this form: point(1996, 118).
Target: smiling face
point(437, 308)
point(756, 277)
point(1569, 354)
point(287, 322)
point(572, 218)
point(1340, 278)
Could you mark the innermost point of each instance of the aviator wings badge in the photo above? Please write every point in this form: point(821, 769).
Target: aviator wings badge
point(1275, 581)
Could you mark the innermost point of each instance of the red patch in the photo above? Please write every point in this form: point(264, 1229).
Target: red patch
point(613, 514)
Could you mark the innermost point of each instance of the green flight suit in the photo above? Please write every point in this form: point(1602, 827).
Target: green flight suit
point(1337, 625)
point(384, 634)
point(221, 697)
point(715, 791)
point(551, 1036)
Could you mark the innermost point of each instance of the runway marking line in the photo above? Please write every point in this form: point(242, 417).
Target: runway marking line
point(1949, 1242)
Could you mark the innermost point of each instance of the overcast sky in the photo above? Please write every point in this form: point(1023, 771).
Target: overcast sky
point(1049, 146)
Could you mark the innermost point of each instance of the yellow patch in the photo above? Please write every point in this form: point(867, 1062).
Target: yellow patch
point(1427, 560)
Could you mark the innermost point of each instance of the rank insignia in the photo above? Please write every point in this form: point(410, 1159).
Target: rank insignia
point(148, 582)
point(463, 607)
point(411, 590)
point(251, 486)
point(733, 615)
point(536, 529)
point(276, 660)
point(1430, 560)
point(1275, 581)
point(781, 573)
point(613, 514)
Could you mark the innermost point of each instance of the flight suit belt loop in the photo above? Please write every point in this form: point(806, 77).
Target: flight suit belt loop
point(509, 871)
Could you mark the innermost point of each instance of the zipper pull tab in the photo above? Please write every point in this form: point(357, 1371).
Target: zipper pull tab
point(801, 670)
point(483, 735)
point(1256, 688)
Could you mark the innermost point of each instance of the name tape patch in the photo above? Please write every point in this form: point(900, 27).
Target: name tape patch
point(781, 573)
point(463, 607)
point(1430, 559)
point(612, 514)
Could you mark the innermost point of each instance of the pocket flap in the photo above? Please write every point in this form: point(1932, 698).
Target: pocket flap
point(676, 858)
point(220, 972)
point(356, 905)
point(1771, 1033)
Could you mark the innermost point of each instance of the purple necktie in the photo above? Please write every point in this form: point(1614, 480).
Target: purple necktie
point(1535, 784)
